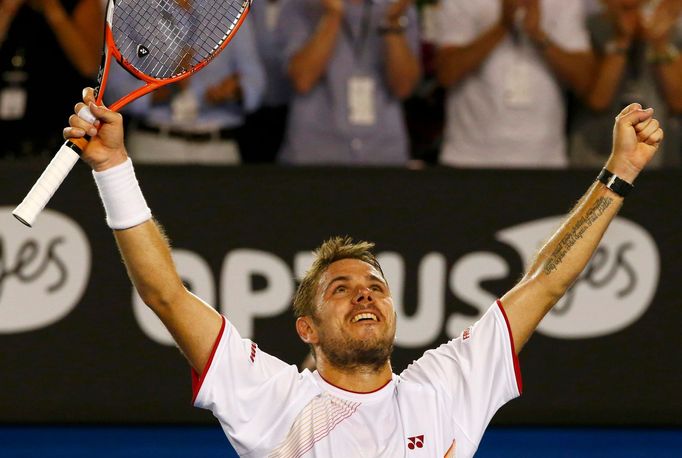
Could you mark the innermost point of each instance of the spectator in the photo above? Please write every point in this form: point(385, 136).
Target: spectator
point(196, 120)
point(43, 43)
point(503, 63)
point(272, 115)
point(350, 63)
point(637, 45)
point(424, 108)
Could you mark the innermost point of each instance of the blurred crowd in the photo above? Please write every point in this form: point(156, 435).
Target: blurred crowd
point(467, 84)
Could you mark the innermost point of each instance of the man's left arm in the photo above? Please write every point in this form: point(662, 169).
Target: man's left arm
point(402, 67)
point(575, 68)
point(636, 137)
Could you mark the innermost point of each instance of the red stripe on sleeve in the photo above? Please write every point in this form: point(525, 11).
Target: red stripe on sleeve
point(517, 368)
point(198, 380)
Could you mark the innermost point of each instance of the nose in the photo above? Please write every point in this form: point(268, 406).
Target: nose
point(364, 296)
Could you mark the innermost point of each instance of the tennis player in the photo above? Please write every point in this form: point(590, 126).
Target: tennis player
point(353, 405)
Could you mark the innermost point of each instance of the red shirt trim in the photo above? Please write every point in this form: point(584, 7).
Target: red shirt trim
point(198, 380)
point(355, 392)
point(515, 358)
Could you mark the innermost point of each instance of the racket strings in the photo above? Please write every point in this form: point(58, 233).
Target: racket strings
point(165, 38)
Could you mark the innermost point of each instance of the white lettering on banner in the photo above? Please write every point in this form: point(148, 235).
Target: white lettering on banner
point(302, 262)
point(424, 326)
point(240, 301)
point(196, 274)
point(612, 293)
point(43, 270)
point(465, 282)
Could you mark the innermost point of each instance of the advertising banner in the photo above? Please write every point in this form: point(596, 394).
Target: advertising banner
point(78, 345)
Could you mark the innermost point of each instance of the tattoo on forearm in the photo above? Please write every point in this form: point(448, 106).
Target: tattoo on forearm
point(576, 233)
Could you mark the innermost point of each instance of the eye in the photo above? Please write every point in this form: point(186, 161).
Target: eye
point(340, 289)
point(377, 288)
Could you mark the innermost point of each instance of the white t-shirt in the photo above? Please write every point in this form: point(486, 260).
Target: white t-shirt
point(438, 407)
point(510, 112)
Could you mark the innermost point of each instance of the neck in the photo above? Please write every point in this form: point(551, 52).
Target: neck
point(361, 379)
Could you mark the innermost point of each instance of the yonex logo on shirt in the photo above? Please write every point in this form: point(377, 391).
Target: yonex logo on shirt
point(415, 441)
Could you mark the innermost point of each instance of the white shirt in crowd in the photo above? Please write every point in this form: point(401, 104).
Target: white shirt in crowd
point(510, 112)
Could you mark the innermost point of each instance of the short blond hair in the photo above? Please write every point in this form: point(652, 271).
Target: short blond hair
point(332, 250)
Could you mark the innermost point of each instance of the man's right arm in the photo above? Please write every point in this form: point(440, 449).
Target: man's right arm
point(8, 10)
point(456, 62)
point(309, 63)
point(193, 324)
point(613, 57)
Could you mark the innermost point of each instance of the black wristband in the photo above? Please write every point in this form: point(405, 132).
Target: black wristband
point(614, 183)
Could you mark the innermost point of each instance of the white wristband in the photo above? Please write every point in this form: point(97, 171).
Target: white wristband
point(120, 192)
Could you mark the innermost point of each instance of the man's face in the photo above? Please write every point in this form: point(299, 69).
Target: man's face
point(354, 317)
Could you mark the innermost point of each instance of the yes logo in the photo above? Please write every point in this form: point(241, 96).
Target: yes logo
point(43, 270)
point(614, 290)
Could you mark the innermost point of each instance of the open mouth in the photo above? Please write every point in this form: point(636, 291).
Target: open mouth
point(364, 317)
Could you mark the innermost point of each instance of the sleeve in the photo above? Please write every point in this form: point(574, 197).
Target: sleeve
point(478, 371)
point(568, 25)
point(249, 66)
point(455, 23)
point(244, 387)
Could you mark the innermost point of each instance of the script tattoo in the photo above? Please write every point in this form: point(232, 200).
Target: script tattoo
point(602, 271)
point(576, 233)
point(26, 266)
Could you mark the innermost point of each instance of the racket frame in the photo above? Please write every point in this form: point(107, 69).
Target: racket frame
point(62, 163)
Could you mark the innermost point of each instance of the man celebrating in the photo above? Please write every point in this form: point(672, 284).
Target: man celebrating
point(353, 405)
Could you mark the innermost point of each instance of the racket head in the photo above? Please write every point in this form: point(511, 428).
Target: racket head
point(164, 41)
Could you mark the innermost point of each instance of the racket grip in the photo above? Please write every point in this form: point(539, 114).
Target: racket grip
point(48, 183)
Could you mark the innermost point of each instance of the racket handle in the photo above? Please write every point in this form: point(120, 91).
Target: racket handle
point(53, 176)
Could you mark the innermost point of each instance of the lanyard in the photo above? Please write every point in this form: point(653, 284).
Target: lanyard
point(358, 45)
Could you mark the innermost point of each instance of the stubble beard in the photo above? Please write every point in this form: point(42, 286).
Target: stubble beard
point(347, 353)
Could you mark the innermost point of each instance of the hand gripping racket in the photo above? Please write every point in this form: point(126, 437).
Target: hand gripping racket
point(157, 41)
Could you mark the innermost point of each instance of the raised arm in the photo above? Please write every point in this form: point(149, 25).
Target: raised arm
point(145, 250)
point(402, 65)
point(560, 261)
point(455, 63)
point(79, 34)
point(8, 10)
point(309, 64)
point(574, 68)
point(612, 61)
point(664, 56)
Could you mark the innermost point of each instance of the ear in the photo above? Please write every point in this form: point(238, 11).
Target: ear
point(306, 330)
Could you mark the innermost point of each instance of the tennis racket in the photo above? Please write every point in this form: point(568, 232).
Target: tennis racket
point(159, 42)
